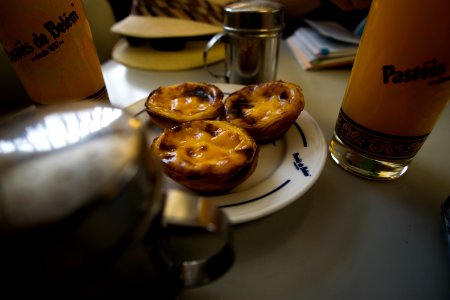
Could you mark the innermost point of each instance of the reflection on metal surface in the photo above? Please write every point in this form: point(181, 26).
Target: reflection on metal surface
point(56, 160)
point(60, 130)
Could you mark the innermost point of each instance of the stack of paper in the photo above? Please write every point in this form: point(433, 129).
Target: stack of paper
point(324, 44)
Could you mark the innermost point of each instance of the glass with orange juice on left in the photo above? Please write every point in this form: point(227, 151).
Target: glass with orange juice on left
point(50, 46)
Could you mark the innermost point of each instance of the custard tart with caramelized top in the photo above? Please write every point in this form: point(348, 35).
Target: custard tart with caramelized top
point(266, 110)
point(210, 157)
point(174, 104)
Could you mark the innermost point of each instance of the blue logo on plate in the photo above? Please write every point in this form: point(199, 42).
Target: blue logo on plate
point(299, 165)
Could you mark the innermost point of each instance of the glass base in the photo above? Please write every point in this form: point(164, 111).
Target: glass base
point(364, 166)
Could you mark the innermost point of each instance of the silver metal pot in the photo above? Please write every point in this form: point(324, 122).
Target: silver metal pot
point(83, 213)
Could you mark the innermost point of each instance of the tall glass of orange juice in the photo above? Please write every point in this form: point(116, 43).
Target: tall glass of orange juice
point(50, 46)
point(399, 85)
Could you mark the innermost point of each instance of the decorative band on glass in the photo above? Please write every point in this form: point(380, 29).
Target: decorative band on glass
point(377, 145)
point(100, 94)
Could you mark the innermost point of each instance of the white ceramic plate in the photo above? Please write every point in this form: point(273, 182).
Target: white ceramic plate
point(286, 170)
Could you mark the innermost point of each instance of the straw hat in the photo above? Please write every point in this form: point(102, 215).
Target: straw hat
point(169, 35)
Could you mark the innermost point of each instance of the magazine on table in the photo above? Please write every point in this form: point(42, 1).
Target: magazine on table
point(324, 44)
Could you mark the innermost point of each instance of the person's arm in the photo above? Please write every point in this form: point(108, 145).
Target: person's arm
point(298, 8)
point(351, 4)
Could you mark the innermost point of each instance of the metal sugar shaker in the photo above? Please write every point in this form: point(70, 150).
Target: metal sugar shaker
point(252, 34)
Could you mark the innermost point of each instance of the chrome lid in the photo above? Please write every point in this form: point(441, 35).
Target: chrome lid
point(264, 16)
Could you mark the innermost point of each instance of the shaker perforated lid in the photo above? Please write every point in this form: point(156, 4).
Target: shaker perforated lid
point(265, 16)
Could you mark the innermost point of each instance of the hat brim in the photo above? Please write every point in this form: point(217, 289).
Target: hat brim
point(162, 27)
point(148, 58)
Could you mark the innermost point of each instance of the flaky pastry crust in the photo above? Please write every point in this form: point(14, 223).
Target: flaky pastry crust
point(189, 101)
point(266, 110)
point(209, 157)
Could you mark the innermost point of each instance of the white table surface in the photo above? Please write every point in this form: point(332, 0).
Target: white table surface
point(347, 237)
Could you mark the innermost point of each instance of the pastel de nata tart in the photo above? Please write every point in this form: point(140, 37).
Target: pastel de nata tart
point(174, 104)
point(266, 110)
point(209, 157)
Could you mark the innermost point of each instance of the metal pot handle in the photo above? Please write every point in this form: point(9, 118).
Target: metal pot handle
point(183, 211)
point(211, 43)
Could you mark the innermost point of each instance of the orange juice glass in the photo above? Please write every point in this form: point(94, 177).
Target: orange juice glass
point(399, 85)
point(50, 46)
